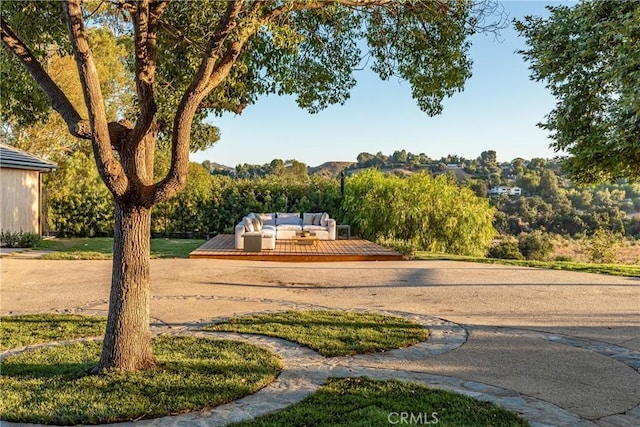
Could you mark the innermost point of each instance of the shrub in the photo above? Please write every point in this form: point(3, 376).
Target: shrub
point(29, 240)
point(19, 239)
point(190, 209)
point(506, 249)
point(601, 246)
point(632, 227)
point(535, 245)
point(80, 205)
point(8, 239)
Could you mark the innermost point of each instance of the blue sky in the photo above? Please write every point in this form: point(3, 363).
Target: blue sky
point(498, 110)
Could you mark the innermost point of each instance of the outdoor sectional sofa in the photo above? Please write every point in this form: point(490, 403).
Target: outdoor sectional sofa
point(284, 226)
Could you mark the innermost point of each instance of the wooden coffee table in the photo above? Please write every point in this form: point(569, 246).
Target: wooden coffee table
point(305, 240)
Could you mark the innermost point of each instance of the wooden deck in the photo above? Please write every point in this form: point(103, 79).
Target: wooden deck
point(223, 247)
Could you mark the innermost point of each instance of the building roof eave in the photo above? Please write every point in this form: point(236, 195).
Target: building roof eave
point(14, 158)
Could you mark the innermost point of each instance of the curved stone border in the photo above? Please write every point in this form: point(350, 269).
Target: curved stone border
point(14, 351)
point(444, 336)
point(306, 371)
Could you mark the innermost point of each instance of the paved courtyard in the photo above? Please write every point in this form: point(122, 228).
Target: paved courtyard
point(561, 348)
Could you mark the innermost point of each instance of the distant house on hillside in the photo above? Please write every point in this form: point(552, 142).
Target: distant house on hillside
point(504, 191)
point(21, 190)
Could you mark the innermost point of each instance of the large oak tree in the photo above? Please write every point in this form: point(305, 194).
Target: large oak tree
point(192, 58)
point(589, 57)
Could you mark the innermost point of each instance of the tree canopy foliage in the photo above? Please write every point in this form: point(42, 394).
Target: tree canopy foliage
point(589, 57)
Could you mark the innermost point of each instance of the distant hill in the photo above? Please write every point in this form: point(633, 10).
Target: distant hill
point(460, 173)
point(329, 169)
point(217, 168)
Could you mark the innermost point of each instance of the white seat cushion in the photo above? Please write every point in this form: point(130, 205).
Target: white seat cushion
point(314, 227)
point(289, 227)
point(268, 233)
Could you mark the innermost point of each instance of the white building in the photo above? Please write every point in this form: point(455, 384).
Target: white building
point(503, 190)
point(21, 190)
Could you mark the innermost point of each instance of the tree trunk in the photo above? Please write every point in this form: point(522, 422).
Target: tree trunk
point(127, 342)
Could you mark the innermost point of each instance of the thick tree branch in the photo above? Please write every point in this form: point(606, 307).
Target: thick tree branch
point(199, 88)
point(110, 169)
point(145, 70)
point(146, 17)
point(224, 28)
point(78, 126)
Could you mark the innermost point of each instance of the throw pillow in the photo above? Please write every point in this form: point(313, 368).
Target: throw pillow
point(248, 224)
point(307, 218)
point(288, 218)
point(324, 220)
point(316, 219)
point(267, 219)
point(256, 224)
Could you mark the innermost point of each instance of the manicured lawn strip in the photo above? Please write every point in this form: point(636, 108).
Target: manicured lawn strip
point(102, 248)
point(610, 269)
point(174, 248)
point(330, 333)
point(78, 244)
point(20, 331)
point(49, 385)
point(76, 255)
point(366, 402)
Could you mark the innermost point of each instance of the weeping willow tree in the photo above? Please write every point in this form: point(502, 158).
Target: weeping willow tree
point(432, 214)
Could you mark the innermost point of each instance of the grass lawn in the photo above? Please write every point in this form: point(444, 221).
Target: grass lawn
point(330, 333)
point(20, 331)
point(363, 402)
point(102, 248)
point(49, 385)
point(626, 270)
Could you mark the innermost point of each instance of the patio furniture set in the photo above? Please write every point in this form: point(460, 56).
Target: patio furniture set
point(259, 231)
